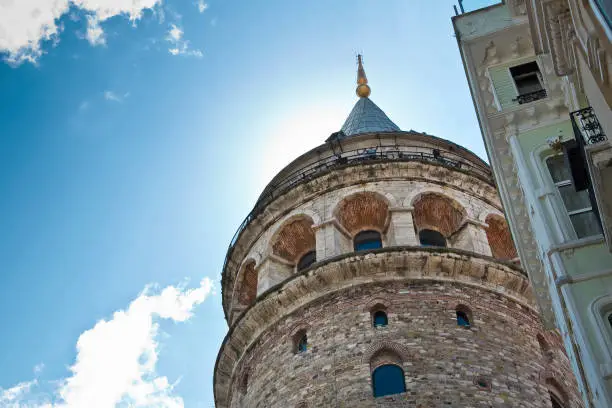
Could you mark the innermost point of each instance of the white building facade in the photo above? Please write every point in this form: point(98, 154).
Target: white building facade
point(540, 74)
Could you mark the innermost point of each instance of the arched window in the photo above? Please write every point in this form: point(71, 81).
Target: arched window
point(429, 237)
point(464, 316)
point(463, 319)
point(301, 342)
point(388, 379)
point(555, 401)
point(379, 319)
point(558, 397)
point(367, 240)
point(308, 259)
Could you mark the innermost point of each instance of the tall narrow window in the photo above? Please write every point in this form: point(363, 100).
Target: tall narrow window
point(301, 342)
point(367, 240)
point(528, 81)
point(555, 401)
point(464, 316)
point(380, 319)
point(463, 319)
point(577, 203)
point(388, 379)
point(610, 319)
point(308, 259)
point(429, 237)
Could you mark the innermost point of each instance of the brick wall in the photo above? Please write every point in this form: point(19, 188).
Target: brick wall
point(441, 360)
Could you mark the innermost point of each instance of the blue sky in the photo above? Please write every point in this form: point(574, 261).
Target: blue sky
point(136, 138)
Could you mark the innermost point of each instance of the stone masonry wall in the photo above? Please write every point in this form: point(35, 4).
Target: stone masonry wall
point(441, 360)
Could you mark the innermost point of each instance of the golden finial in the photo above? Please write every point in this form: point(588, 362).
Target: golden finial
point(363, 89)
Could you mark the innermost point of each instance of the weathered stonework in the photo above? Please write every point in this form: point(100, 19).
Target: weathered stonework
point(504, 359)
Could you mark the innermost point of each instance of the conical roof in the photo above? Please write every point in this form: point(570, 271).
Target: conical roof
point(366, 117)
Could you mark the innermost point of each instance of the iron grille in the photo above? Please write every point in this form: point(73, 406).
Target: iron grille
point(587, 127)
point(531, 96)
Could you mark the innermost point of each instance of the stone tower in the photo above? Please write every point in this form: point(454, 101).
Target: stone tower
point(377, 270)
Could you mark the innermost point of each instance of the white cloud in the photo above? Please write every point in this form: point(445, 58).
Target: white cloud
point(115, 97)
point(38, 368)
point(201, 5)
point(24, 25)
point(12, 396)
point(116, 359)
point(180, 46)
point(95, 34)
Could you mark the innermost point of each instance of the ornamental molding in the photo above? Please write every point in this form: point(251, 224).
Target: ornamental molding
point(560, 33)
point(519, 221)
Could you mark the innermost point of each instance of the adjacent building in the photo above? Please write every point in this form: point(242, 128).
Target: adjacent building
point(378, 270)
point(540, 74)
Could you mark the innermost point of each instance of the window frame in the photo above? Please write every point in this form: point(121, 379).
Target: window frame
point(312, 253)
point(467, 312)
point(601, 310)
point(376, 312)
point(430, 245)
point(380, 237)
point(539, 76)
point(560, 204)
point(372, 376)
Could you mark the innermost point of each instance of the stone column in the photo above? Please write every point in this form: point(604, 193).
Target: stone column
point(401, 227)
point(472, 237)
point(332, 239)
point(273, 270)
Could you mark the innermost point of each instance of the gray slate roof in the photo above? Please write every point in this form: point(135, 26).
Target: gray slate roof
point(366, 117)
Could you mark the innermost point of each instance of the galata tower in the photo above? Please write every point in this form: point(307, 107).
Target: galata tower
point(378, 270)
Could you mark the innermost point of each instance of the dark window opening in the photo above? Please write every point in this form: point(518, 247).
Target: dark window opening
point(302, 344)
point(307, 260)
point(483, 382)
point(555, 401)
point(431, 238)
point(528, 81)
point(462, 319)
point(367, 240)
point(388, 380)
point(610, 319)
point(380, 319)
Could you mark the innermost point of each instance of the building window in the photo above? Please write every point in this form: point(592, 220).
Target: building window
point(483, 383)
point(577, 203)
point(301, 342)
point(380, 319)
point(367, 240)
point(556, 403)
point(610, 320)
point(429, 237)
point(528, 81)
point(308, 259)
point(388, 379)
point(464, 316)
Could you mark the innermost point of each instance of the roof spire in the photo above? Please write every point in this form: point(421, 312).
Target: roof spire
point(363, 89)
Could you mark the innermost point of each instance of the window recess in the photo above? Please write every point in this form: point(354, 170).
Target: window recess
point(528, 81)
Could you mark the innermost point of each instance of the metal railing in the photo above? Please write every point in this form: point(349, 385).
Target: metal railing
point(587, 127)
point(346, 158)
point(531, 96)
